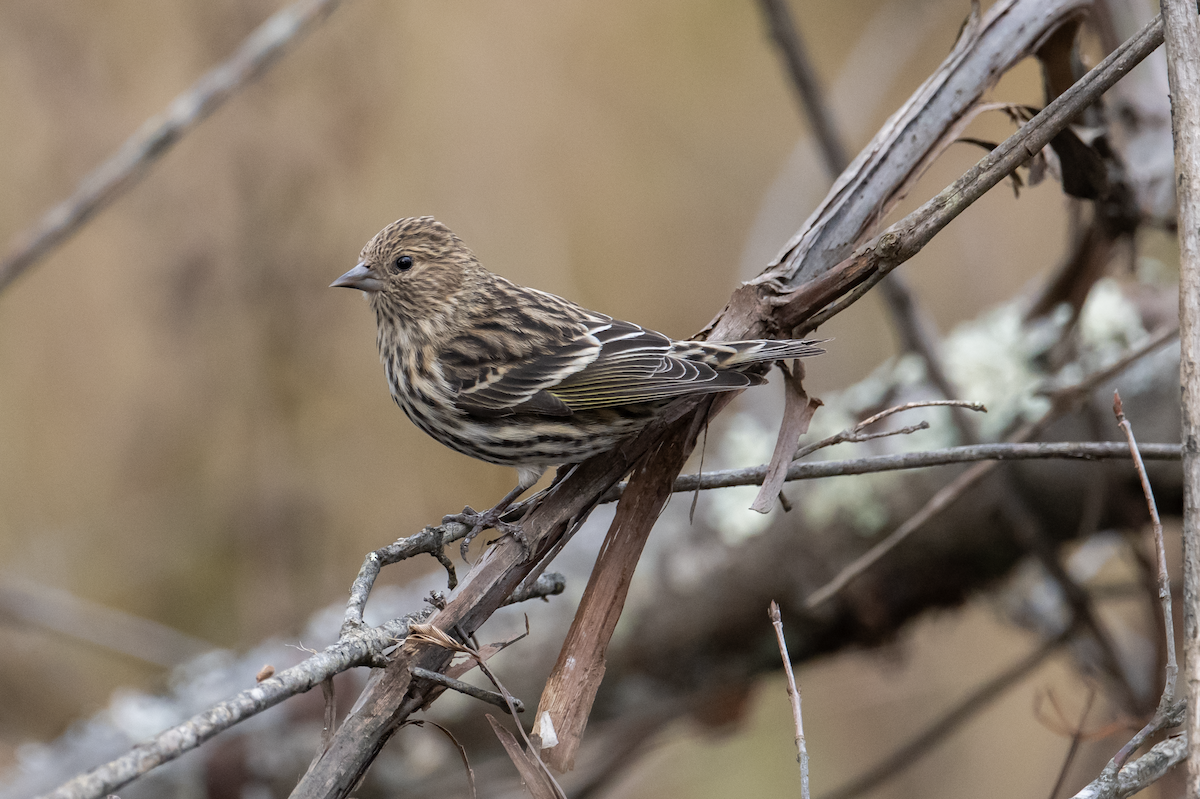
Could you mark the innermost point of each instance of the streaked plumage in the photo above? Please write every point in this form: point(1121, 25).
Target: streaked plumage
point(515, 376)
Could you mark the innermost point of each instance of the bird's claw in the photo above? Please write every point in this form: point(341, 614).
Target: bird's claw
point(479, 521)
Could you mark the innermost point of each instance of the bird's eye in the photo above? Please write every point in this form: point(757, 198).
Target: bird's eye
point(404, 263)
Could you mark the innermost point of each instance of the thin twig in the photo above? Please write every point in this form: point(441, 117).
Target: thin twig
point(1004, 451)
point(794, 695)
point(482, 694)
point(431, 540)
point(462, 751)
point(855, 434)
point(1169, 712)
point(1160, 548)
point(125, 168)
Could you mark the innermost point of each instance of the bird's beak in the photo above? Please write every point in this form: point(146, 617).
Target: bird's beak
point(360, 277)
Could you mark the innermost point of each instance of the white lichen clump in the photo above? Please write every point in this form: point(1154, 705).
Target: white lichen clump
point(997, 360)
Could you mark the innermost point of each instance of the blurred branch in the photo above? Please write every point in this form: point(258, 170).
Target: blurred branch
point(805, 82)
point(1077, 736)
point(125, 168)
point(924, 742)
point(1183, 76)
point(48, 608)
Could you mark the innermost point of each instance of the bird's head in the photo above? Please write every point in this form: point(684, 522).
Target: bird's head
point(413, 266)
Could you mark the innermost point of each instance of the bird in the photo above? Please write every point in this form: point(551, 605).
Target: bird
point(520, 377)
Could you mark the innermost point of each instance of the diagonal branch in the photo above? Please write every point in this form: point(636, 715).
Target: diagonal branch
point(845, 283)
point(125, 168)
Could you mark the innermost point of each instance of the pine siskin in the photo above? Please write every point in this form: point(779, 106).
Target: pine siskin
point(515, 376)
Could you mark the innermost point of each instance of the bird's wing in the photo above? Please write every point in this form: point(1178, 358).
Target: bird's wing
point(507, 372)
point(609, 363)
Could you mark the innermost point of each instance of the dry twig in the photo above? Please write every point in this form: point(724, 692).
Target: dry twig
point(793, 695)
point(856, 434)
point(1160, 550)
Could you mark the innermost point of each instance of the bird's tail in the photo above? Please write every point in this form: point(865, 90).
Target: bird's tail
point(734, 354)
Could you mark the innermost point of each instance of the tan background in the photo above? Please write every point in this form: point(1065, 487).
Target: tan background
point(194, 429)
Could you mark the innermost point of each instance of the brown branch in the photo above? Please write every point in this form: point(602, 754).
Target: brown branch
point(125, 168)
point(570, 690)
point(491, 697)
point(887, 167)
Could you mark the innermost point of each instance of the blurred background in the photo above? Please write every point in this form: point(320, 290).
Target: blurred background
point(196, 431)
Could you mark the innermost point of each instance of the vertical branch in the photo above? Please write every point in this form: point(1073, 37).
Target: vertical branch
point(804, 80)
point(794, 695)
point(1160, 550)
point(1182, 34)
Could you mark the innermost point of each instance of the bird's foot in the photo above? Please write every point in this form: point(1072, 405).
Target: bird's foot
point(479, 521)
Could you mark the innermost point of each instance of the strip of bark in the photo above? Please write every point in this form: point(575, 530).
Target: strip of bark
point(571, 688)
